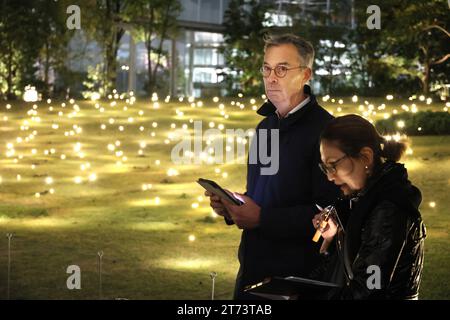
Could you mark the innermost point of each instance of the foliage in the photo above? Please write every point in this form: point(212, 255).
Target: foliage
point(243, 50)
point(420, 123)
point(154, 19)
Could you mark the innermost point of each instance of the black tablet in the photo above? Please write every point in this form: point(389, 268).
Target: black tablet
point(213, 187)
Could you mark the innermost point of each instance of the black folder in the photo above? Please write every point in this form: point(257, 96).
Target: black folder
point(291, 288)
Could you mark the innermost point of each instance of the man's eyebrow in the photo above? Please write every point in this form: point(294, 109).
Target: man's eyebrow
point(278, 64)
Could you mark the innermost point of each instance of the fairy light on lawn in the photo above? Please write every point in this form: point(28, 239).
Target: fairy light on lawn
point(172, 172)
point(146, 186)
point(191, 238)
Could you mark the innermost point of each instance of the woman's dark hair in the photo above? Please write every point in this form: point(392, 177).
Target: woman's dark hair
point(351, 133)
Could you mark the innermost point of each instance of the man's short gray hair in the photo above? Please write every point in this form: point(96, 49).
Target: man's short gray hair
point(304, 48)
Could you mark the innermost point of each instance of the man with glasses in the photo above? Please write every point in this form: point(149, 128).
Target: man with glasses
point(276, 216)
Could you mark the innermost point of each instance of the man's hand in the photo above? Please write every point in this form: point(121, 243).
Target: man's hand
point(216, 204)
point(246, 216)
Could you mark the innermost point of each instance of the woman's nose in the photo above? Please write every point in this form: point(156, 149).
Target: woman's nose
point(330, 177)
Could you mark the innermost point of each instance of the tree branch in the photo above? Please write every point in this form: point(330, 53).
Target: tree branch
point(441, 60)
point(435, 26)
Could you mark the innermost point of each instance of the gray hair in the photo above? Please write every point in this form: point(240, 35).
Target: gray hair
point(304, 48)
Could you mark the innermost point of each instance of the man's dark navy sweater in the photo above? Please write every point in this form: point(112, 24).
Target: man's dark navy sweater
point(281, 245)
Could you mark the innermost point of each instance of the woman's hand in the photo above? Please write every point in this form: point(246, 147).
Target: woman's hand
point(329, 230)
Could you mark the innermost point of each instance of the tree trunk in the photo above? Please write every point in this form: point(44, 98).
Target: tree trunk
point(149, 68)
point(426, 78)
point(162, 37)
point(9, 94)
point(426, 74)
point(46, 70)
point(148, 44)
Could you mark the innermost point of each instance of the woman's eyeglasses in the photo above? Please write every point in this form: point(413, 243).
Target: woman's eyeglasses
point(331, 167)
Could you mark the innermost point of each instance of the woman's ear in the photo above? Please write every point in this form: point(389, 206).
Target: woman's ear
point(367, 156)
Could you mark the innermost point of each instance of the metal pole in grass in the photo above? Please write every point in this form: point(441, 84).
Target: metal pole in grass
point(9, 236)
point(213, 278)
point(100, 256)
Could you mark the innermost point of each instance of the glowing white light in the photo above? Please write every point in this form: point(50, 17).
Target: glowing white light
point(172, 172)
point(30, 95)
point(95, 96)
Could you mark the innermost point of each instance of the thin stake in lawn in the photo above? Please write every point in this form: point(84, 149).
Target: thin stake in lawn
point(100, 256)
point(213, 279)
point(9, 236)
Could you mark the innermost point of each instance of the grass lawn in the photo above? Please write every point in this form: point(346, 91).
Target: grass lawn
point(66, 202)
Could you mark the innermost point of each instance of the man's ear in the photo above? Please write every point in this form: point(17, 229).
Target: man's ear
point(308, 74)
point(367, 156)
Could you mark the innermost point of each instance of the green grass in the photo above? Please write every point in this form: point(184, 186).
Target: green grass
point(147, 254)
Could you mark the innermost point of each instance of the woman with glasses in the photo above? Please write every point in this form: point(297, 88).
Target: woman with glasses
point(378, 234)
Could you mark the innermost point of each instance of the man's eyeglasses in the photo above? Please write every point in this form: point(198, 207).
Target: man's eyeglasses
point(280, 70)
point(331, 168)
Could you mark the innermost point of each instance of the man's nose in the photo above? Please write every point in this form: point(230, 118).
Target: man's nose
point(272, 77)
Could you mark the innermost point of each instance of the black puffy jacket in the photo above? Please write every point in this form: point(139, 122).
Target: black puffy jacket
point(383, 228)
